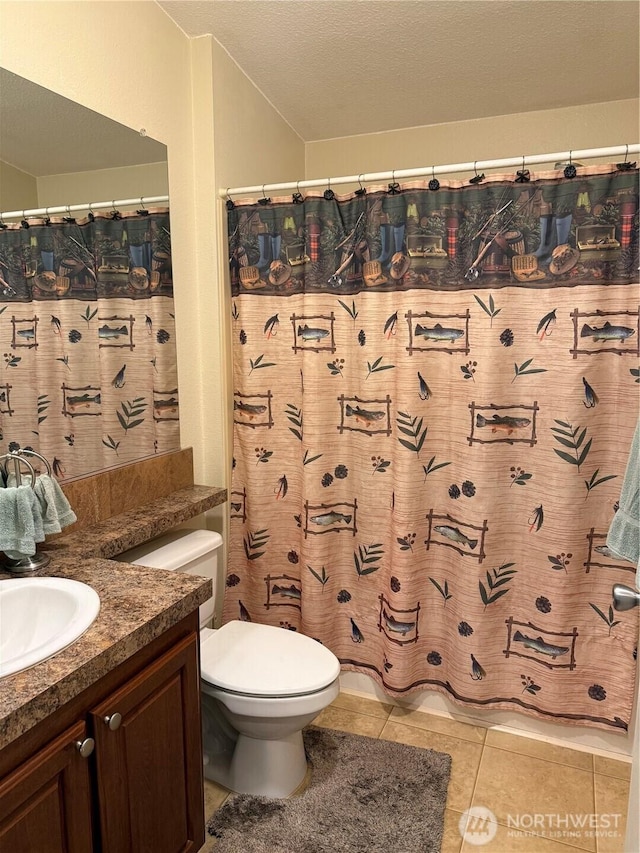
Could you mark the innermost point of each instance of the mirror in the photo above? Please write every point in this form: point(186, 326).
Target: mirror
point(55, 152)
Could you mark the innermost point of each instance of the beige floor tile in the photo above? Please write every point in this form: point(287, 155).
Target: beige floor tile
point(214, 797)
point(612, 804)
point(435, 723)
point(510, 783)
point(451, 838)
point(611, 767)
point(350, 721)
point(539, 749)
point(465, 758)
point(361, 705)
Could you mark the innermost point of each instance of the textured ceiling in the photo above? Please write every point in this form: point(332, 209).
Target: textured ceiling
point(335, 68)
point(42, 133)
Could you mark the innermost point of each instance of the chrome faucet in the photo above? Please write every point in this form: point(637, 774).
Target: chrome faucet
point(624, 598)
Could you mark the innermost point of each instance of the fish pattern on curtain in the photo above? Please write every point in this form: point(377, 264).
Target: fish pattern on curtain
point(88, 340)
point(435, 392)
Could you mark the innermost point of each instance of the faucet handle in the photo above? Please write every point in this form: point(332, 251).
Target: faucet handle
point(624, 598)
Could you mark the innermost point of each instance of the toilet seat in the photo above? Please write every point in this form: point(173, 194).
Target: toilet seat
point(261, 660)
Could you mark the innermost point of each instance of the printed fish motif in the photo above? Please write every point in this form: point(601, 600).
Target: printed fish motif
point(502, 422)
point(286, 591)
point(82, 399)
point(424, 392)
point(438, 333)
point(330, 518)
point(543, 325)
point(27, 334)
point(477, 672)
point(310, 334)
point(111, 331)
point(236, 507)
point(539, 645)
point(591, 399)
point(605, 551)
point(607, 332)
point(364, 415)
point(356, 634)
point(249, 409)
point(455, 535)
point(160, 405)
point(397, 627)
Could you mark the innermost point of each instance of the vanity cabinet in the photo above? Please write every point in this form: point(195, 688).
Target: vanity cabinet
point(140, 790)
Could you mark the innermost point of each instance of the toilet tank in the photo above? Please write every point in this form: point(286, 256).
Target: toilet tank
point(195, 552)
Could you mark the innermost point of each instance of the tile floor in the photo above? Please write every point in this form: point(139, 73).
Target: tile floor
point(508, 774)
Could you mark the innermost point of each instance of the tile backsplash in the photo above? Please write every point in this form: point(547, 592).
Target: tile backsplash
point(110, 492)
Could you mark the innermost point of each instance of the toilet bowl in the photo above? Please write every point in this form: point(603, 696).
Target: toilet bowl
point(260, 685)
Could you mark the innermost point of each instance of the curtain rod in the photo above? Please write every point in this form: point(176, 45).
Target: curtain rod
point(90, 205)
point(401, 174)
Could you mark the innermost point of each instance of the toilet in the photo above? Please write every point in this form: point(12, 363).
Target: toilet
point(260, 685)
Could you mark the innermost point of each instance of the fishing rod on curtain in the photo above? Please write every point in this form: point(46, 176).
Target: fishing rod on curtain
point(90, 206)
point(519, 162)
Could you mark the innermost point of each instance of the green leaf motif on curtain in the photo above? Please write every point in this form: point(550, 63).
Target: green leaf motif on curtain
point(307, 460)
point(593, 482)
point(89, 314)
point(412, 427)
point(635, 371)
point(609, 620)
point(430, 467)
point(443, 590)
point(492, 311)
point(258, 363)
point(322, 577)
point(352, 312)
point(572, 438)
point(43, 405)
point(131, 409)
point(11, 359)
point(524, 370)
point(294, 415)
point(253, 542)
point(500, 577)
point(111, 444)
point(364, 558)
point(376, 367)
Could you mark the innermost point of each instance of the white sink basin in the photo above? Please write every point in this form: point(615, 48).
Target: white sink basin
point(41, 616)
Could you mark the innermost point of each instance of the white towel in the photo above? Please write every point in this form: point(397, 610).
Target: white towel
point(624, 533)
point(20, 520)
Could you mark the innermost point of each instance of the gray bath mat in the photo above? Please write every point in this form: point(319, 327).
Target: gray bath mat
point(365, 796)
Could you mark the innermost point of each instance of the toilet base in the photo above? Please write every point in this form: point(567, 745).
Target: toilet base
point(268, 768)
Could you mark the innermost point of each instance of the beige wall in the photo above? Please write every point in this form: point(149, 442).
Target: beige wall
point(18, 190)
point(149, 179)
point(584, 126)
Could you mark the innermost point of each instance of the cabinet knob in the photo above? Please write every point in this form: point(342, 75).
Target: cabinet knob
point(85, 747)
point(113, 721)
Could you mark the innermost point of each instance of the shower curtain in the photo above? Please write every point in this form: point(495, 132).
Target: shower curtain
point(88, 340)
point(435, 392)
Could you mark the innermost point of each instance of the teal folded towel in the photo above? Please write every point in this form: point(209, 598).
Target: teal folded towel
point(20, 520)
point(624, 533)
point(55, 509)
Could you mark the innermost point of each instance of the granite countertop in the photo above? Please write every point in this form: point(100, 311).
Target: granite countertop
point(137, 604)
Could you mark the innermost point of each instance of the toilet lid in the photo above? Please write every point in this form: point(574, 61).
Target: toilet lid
point(261, 660)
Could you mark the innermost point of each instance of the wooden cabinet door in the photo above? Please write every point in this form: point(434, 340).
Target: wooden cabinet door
point(45, 804)
point(149, 767)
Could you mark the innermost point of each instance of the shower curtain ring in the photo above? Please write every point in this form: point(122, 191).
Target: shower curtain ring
point(264, 200)
point(297, 197)
point(434, 183)
point(329, 194)
point(476, 178)
point(3, 225)
point(47, 219)
point(393, 187)
point(523, 175)
point(230, 203)
point(626, 166)
point(24, 222)
point(361, 190)
point(143, 210)
point(90, 215)
point(570, 171)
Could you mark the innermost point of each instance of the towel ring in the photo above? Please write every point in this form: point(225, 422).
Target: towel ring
point(38, 455)
point(17, 459)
